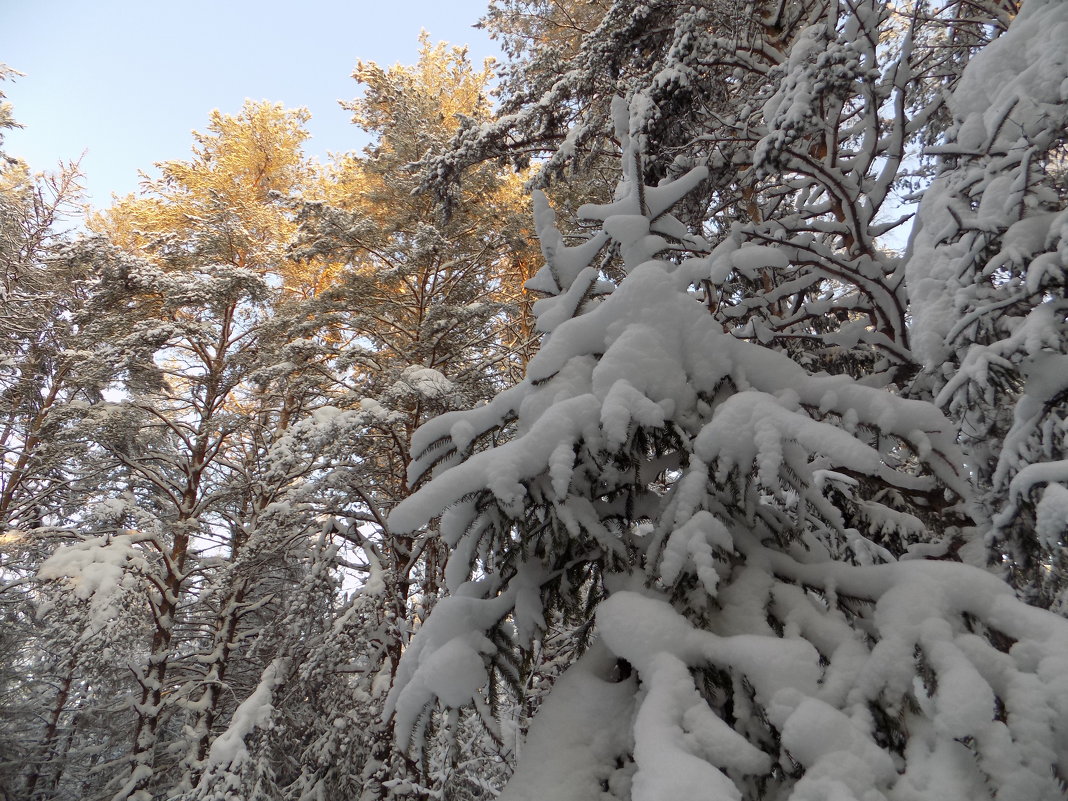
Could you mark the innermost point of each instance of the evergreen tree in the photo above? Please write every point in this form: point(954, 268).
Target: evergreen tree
point(198, 505)
point(427, 318)
point(40, 373)
point(986, 279)
point(761, 564)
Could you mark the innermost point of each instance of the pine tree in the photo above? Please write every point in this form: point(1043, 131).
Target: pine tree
point(40, 373)
point(249, 435)
point(197, 505)
point(427, 318)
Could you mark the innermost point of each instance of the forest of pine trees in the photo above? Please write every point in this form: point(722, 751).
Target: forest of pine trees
point(677, 410)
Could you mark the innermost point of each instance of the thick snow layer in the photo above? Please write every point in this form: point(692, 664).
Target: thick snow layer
point(99, 570)
point(840, 757)
point(639, 628)
point(1051, 525)
point(750, 260)
point(424, 381)
point(1012, 92)
point(677, 748)
point(581, 733)
point(446, 661)
point(692, 544)
point(228, 750)
point(1015, 76)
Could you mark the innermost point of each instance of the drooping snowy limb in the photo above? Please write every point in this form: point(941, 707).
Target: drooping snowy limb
point(986, 277)
point(229, 751)
point(910, 680)
point(664, 367)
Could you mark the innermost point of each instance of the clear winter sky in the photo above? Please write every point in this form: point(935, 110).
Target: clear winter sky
point(128, 80)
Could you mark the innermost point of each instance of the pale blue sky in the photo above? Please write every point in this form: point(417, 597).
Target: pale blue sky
point(128, 81)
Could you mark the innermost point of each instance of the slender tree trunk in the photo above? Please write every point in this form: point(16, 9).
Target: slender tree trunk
point(46, 751)
point(153, 681)
point(207, 705)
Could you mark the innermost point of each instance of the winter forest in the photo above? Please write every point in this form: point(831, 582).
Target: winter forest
point(677, 409)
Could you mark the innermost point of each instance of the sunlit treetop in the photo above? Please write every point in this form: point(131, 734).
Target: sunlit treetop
point(436, 92)
point(221, 206)
point(411, 111)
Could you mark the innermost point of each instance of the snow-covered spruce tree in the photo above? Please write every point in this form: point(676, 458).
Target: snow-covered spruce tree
point(812, 119)
point(693, 501)
point(987, 282)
